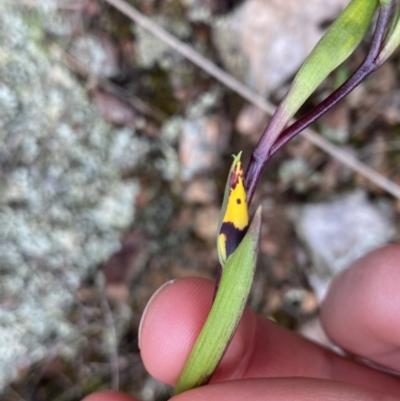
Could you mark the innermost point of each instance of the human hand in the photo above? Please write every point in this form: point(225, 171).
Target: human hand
point(361, 314)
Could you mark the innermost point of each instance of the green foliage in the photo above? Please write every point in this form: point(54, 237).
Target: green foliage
point(225, 312)
point(336, 45)
point(393, 39)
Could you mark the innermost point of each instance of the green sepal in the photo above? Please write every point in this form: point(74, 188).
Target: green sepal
point(341, 39)
point(392, 41)
point(225, 313)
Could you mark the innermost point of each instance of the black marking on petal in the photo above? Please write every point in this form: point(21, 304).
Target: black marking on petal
point(233, 237)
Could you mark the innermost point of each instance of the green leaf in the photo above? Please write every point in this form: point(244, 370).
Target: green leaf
point(225, 313)
point(392, 41)
point(335, 46)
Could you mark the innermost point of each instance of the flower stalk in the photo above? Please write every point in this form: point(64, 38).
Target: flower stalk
point(329, 52)
point(237, 241)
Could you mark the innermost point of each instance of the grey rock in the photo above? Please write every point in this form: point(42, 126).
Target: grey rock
point(298, 173)
point(199, 10)
point(203, 138)
point(151, 50)
point(63, 204)
point(97, 54)
point(265, 41)
point(341, 231)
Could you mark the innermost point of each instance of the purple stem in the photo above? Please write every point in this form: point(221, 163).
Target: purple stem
point(260, 157)
point(368, 66)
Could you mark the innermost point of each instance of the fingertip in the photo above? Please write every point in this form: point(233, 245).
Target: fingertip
point(361, 308)
point(282, 389)
point(153, 297)
point(109, 395)
point(171, 325)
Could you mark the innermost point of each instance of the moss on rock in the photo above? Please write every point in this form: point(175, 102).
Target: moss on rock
point(63, 204)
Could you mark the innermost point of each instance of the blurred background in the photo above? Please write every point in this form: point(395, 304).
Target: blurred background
point(114, 151)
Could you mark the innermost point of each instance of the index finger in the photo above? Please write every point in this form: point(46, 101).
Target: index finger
point(259, 349)
point(362, 310)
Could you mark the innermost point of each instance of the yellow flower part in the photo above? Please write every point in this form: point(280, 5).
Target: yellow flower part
point(235, 218)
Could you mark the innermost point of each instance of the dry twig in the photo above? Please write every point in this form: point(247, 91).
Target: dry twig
point(114, 365)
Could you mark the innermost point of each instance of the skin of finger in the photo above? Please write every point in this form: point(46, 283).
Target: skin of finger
point(361, 311)
point(282, 389)
point(176, 318)
point(109, 396)
point(259, 348)
point(276, 389)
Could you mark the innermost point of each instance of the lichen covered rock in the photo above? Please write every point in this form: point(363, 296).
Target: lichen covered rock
point(63, 205)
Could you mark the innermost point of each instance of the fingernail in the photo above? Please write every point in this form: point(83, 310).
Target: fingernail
point(143, 318)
